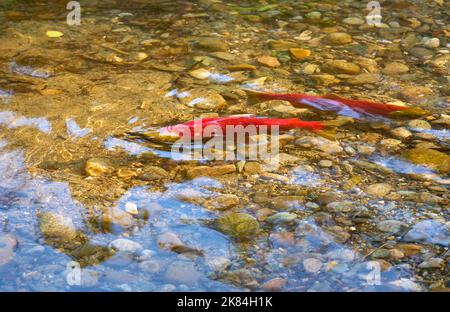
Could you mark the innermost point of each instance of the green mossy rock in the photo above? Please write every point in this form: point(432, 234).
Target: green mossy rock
point(238, 225)
point(59, 231)
point(433, 159)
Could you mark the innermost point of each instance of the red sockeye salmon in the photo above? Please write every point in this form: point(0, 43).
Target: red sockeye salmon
point(358, 109)
point(175, 132)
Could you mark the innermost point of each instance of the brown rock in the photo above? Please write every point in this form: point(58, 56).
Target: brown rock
point(396, 254)
point(338, 38)
point(222, 202)
point(384, 265)
point(287, 202)
point(409, 249)
point(263, 213)
point(213, 44)
point(116, 216)
point(241, 67)
point(203, 98)
point(364, 78)
point(415, 94)
point(252, 167)
point(299, 53)
point(152, 173)
point(379, 189)
point(395, 68)
point(431, 158)
point(269, 61)
point(341, 67)
point(205, 171)
point(275, 284)
point(96, 167)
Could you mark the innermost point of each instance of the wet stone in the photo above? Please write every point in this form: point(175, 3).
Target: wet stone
point(126, 245)
point(415, 94)
point(391, 226)
point(353, 21)
point(222, 202)
point(205, 171)
point(8, 241)
point(275, 284)
point(269, 61)
point(364, 78)
point(242, 277)
point(401, 133)
point(340, 206)
point(429, 231)
point(409, 249)
point(252, 167)
point(6, 256)
point(181, 272)
point(395, 68)
point(341, 67)
point(431, 158)
point(200, 73)
point(315, 15)
point(150, 266)
point(238, 225)
point(223, 56)
point(204, 99)
point(432, 263)
point(96, 167)
point(338, 38)
point(219, 263)
point(432, 43)
point(338, 234)
point(169, 241)
point(281, 217)
point(366, 149)
point(212, 44)
point(312, 265)
point(389, 143)
point(428, 198)
point(325, 163)
point(421, 53)
point(116, 216)
point(281, 45)
point(419, 124)
point(152, 173)
point(379, 189)
point(299, 53)
point(59, 230)
point(287, 202)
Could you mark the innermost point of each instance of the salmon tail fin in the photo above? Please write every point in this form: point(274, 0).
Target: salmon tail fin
point(329, 127)
point(335, 123)
point(329, 134)
point(409, 113)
